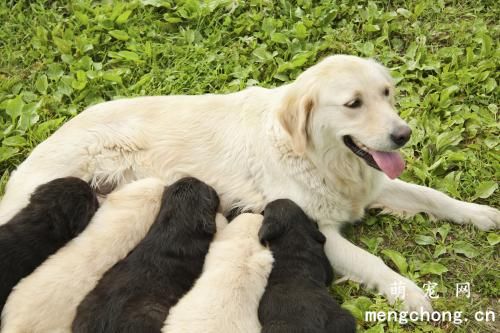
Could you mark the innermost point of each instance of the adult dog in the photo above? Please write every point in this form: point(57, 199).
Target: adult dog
point(296, 298)
point(137, 293)
point(57, 212)
point(321, 141)
point(226, 297)
point(46, 301)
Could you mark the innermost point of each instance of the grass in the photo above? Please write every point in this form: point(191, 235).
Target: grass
point(59, 57)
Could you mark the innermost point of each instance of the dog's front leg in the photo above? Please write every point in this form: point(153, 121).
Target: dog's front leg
point(362, 266)
point(408, 199)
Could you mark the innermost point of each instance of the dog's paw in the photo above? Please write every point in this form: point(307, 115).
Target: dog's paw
point(482, 216)
point(413, 298)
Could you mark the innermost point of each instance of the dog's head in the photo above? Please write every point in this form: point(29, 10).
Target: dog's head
point(192, 203)
point(287, 229)
point(345, 102)
point(69, 204)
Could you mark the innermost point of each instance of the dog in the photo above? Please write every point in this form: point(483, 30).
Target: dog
point(57, 212)
point(137, 293)
point(296, 297)
point(226, 297)
point(328, 141)
point(46, 301)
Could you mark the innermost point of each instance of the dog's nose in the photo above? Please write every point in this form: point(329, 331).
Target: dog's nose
point(401, 135)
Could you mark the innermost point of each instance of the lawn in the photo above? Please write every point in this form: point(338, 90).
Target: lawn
point(58, 57)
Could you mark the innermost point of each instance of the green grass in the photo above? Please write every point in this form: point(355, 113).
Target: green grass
point(58, 57)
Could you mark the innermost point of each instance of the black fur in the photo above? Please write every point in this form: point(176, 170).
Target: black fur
point(57, 212)
point(136, 294)
point(296, 299)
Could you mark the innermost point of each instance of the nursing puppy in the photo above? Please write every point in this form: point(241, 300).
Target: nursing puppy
point(296, 299)
point(46, 301)
point(58, 211)
point(137, 293)
point(226, 297)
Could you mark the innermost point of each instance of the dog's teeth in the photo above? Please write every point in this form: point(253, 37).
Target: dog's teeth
point(359, 144)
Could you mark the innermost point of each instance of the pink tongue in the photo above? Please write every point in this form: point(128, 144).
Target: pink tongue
point(390, 163)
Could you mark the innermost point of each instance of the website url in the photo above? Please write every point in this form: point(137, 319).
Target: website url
point(403, 317)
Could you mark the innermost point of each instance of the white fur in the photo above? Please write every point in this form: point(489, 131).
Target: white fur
point(46, 301)
point(226, 297)
point(254, 146)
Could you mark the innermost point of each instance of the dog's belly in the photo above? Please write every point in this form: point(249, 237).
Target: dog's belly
point(236, 188)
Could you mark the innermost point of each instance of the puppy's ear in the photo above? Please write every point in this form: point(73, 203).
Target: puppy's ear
point(294, 116)
point(317, 234)
point(204, 218)
point(319, 237)
point(73, 212)
point(208, 225)
point(271, 229)
point(206, 209)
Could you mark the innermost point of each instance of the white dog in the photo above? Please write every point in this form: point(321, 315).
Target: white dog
point(226, 297)
point(325, 141)
point(46, 301)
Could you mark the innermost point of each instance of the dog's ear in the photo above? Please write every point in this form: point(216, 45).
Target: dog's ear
point(208, 225)
point(209, 207)
point(294, 116)
point(203, 216)
point(317, 234)
point(270, 230)
point(272, 226)
point(78, 218)
point(319, 237)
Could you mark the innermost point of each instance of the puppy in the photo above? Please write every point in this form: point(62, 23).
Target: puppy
point(137, 293)
point(226, 297)
point(46, 301)
point(296, 297)
point(58, 211)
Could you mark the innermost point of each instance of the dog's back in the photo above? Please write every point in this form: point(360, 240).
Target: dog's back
point(226, 296)
point(296, 297)
point(136, 294)
point(57, 212)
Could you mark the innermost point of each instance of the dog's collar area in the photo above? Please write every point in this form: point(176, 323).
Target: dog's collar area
point(349, 142)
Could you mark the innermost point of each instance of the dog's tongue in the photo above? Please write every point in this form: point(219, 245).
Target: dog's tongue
point(390, 163)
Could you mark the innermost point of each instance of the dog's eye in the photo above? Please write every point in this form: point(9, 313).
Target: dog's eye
point(386, 92)
point(355, 103)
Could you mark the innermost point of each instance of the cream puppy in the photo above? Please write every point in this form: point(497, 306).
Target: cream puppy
point(46, 301)
point(226, 297)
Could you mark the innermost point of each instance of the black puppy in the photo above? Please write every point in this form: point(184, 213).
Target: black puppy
point(296, 299)
point(57, 212)
point(136, 294)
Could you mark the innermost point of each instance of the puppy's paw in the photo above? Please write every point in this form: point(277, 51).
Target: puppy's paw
point(413, 298)
point(482, 216)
